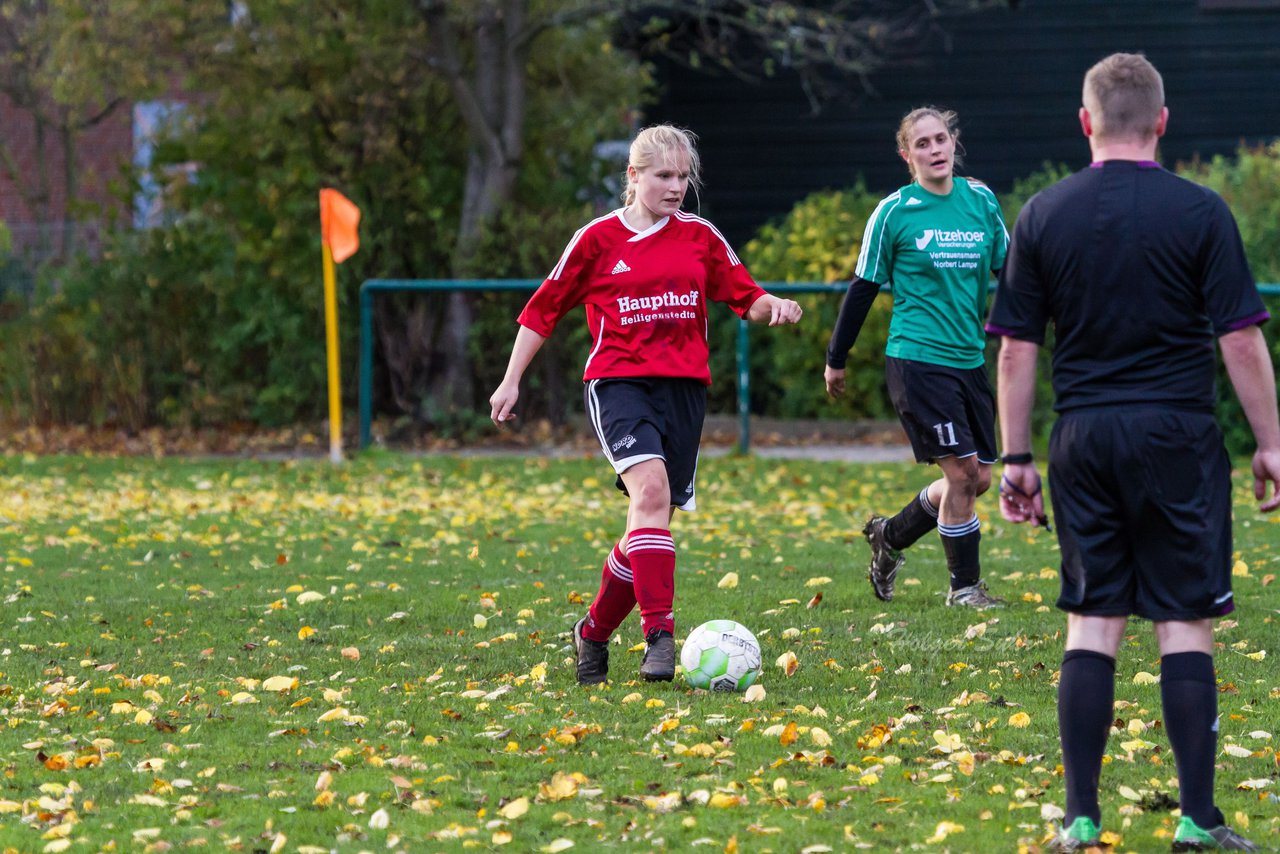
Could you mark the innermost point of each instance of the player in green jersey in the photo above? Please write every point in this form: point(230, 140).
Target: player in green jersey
point(935, 243)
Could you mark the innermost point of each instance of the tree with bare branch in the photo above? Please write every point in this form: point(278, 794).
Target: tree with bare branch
point(482, 49)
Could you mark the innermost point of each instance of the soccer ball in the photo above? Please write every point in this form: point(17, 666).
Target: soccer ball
point(721, 655)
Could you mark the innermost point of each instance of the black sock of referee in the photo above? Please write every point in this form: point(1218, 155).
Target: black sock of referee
point(960, 545)
point(915, 520)
point(1086, 696)
point(1189, 694)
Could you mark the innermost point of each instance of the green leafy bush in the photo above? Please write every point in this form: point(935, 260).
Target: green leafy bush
point(818, 241)
point(528, 246)
point(1024, 188)
point(1250, 185)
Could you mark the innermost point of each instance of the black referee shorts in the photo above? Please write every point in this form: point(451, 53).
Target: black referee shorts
point(1142, 497)
point(646, 418)
point(946, 412)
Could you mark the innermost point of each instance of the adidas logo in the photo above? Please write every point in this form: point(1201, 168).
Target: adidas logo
point(914, 201)
point(620, 267)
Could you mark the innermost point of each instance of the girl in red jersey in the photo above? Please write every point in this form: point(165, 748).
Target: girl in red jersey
point(645, 273)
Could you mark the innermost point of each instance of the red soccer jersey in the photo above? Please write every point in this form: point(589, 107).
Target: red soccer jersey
point(646, 294)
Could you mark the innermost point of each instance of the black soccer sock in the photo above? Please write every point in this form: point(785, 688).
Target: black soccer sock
point(915, 520)
point(960, 544)
point(1189, 694)
point(1086, 697)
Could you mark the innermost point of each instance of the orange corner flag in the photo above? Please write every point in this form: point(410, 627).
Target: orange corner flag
point(339, 218)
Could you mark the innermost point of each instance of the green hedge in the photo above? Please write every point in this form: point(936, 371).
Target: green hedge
point(192, 325)
point(819, 241)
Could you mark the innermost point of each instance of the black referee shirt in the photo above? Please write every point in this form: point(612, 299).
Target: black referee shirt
point(1139, 271)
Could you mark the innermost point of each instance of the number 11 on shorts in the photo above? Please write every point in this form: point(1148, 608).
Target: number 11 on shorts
point(946, 434)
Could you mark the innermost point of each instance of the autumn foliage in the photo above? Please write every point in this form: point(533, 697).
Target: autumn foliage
point(250, 655)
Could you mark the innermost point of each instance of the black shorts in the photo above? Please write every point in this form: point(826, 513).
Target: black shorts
point(946, 412)
point(647, 418)
point(1142, 498)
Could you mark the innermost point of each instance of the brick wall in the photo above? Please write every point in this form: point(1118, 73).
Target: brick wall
point(100, 151)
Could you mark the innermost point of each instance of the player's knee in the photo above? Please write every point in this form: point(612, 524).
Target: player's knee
point(966, 478)
point(653, 495)
point(984, 479)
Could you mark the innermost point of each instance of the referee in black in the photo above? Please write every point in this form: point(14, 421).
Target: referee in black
point(1139, 271)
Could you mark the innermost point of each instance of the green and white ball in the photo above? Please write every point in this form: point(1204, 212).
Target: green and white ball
point(721, 655)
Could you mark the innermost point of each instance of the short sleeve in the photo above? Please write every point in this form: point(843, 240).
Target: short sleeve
point(875, 258)
point(1020, 307)
point(561, 291)
point(727, 278)
point(999, 239)
point(1231, 297)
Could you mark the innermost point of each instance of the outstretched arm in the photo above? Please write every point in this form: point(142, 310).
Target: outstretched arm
point(1248, 362)
point(503, 400)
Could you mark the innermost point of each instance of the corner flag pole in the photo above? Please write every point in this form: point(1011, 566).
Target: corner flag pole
point(331, 348)
point(339, 240)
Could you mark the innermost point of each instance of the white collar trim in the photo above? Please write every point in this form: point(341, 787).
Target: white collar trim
point(641, 235)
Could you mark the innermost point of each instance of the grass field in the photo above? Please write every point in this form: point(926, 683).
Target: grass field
point(289, 656)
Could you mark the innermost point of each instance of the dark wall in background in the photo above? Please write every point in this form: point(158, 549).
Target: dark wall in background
point(1013, 75)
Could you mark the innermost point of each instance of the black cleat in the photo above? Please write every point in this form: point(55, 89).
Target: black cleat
point(1192, 837)
point(659, 663)
point(885, 561)
point(974, 596)
point(592, 657)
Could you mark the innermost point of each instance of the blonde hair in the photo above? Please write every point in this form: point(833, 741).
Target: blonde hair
point(950, 120)
point(1124, 95)
point(662, 143)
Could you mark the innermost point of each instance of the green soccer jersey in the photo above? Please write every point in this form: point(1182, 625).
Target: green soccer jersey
point(937, 253)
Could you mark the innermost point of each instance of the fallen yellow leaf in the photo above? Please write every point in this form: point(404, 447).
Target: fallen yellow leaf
point(279, 683)
point(562, 787)
point(514, 809)
point(724, 800)
point(664, 803)
point(946, 742)
point(943, 830)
